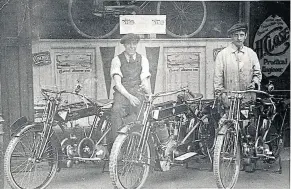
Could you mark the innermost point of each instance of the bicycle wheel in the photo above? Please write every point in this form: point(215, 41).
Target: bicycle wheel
point(89, 19)
point(206, 136)
point(21, 169)
point(226, 160)
point(128, 167)
point(274, 137)
point(184, 19)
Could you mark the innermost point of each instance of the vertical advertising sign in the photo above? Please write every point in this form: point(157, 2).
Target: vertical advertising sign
point(272, 45)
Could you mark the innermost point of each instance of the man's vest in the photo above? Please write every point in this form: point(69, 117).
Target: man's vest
point(131, 72)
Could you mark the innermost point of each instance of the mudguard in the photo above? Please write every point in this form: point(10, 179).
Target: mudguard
point(18, 125)
point(136, 127)
point(225, 125)
point(54, 139)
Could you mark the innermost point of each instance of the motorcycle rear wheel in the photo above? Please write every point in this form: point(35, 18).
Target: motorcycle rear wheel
point(22, 169)
point(128, 168)
point(206, 137)
point(226, 160)
point(274, 138)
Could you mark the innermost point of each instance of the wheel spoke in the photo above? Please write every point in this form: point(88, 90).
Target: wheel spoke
point(22, 169)
point(130, 166)
point(226, 158)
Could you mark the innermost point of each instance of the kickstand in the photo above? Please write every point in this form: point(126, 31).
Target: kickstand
point(210, 159)
point(104, 165)
point(280, 165)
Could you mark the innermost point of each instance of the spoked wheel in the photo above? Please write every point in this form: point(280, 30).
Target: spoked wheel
point(226, 161)
point(185, 18)
point(89, 19)
point(206, 137)
point(274, 138)
point(129, 168)
point(22, 169)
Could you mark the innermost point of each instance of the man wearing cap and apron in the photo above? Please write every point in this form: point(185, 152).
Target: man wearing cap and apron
point(130, 73)
point(237, 67)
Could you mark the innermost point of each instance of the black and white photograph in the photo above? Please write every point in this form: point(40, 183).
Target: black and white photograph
point(132, 94)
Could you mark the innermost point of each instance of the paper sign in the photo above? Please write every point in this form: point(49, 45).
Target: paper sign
point(142, 24)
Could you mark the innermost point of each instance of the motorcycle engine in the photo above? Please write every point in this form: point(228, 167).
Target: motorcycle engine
point(169, 131)
point(166, 152)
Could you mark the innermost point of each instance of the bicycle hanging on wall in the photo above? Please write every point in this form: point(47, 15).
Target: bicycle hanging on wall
point(100, 18)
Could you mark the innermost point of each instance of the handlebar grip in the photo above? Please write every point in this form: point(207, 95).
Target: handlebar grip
point(191, 93)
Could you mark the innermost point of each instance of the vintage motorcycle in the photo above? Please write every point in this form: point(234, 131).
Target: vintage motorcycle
point(252, 131)
point(163, 135)
point(35, 153)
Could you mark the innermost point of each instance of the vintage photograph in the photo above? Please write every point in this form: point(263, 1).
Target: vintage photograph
point(132, 94)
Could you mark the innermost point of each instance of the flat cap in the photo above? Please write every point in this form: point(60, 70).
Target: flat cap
point(238, 27)
point(129, 37)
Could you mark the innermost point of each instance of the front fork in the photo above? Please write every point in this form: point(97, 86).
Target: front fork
point(47, 131)
point(145, 128)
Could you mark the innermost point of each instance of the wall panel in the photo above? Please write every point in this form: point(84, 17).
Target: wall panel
point(104, 50)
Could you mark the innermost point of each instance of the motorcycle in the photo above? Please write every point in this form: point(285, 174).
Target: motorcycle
point(163, 135)
point(252, 131)
point(35, 153)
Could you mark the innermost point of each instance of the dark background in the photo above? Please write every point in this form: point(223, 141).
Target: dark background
point(50, 19)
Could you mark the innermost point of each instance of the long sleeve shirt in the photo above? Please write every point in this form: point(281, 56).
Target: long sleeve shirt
point(236, 68)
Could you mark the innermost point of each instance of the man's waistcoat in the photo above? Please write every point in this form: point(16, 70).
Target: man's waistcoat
point(130, 71)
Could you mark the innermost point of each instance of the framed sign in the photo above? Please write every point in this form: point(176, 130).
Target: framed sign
point(77, 62)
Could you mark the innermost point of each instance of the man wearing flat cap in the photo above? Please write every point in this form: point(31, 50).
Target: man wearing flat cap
point(130, 73)
point(237, 67)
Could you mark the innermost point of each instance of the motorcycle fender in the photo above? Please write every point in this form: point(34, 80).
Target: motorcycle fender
point(224, 127)
point(132, 127)
point(27, 126)
point(18, 125)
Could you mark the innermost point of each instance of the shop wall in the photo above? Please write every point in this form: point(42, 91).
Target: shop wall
point(173, 63)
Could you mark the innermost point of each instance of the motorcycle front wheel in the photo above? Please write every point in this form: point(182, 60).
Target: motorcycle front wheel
point(128, 166)
point(21, 167)
point(226, 160)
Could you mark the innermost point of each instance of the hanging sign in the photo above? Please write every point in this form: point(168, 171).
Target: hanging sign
point(142, 24)
point(272, 45)
point(41, 58)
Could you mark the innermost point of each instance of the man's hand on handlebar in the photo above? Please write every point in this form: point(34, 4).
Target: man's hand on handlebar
point(134, 101)
point(254, 85)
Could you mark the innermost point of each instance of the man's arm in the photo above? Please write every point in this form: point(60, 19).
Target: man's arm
point(145, 76)
point(218, 74)
point(257, 74)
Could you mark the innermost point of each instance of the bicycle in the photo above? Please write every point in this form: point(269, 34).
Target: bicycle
point(35, 154)
point(163, 135)
point(253, 130)
point(100, 18)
